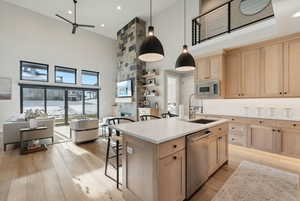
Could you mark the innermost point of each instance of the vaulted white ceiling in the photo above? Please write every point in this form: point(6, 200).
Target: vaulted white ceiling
point(97, 12)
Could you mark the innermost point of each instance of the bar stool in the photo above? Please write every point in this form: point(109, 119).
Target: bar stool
point(168, 115)
point(148, 117)
point(116, 149)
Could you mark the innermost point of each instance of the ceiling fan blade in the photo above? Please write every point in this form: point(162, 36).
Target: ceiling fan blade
point(74, 29)
point(85, 25)
point(64, 19)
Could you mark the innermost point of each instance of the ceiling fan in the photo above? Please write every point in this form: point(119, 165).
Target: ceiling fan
point(74, 24)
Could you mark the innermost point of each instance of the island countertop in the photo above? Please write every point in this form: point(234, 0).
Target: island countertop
point(161, 130)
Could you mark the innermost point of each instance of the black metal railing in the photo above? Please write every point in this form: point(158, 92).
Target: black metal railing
point(223, 19)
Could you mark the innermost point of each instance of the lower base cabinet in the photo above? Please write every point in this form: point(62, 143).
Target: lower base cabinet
point(262, 138)
point(172, 177)
point(290, 142)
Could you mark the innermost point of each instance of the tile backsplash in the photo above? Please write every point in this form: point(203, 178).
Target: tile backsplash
point(277, 108)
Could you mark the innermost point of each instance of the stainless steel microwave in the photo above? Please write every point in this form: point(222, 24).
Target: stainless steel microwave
point(208, 88)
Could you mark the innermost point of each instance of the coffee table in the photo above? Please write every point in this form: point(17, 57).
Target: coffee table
point(27, 135)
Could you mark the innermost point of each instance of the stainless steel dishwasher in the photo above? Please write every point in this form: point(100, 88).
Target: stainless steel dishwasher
point(197, 161)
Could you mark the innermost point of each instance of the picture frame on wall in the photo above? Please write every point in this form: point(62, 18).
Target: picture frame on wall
point(5, 88)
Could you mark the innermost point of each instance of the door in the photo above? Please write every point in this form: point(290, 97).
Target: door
point(233, 75)
point(172, 177)
point(291, 68)
point(172, 94)
point(212, 155)
point(75, 104)
point(203, 66)
point(250, 73)
point(290, 141)
point(56, 105)
point(272, 71)
point(262, 138)
point(222, 149)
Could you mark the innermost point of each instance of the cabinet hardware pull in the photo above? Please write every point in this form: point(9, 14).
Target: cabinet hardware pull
point(278, 130)
point(207, 132)
point(273, 130)
point(285, 92)
point(175, 146)
point(294, 125)
point(260, 122)
point(220, 129)
point(280, 93)
point(174, 157)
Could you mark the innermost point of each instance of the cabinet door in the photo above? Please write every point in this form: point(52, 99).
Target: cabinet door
point(250, 73)
point(222, 149)
point(291, 68)
point(216, 64)
point(233, 75)
point(172, 177)
point(203, 67)
point(272, 71)
point(290, 142)
point(262, 138)
point(212, 155)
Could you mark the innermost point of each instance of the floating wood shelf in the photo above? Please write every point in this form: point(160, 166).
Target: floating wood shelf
point(148, 76)
point(124, 100)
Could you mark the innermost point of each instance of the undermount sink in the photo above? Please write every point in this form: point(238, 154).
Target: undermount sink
point(203, 121)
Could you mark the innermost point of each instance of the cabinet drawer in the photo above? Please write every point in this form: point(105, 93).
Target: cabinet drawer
point(238, 129)
point(288, 124)
point(220, 129)
point(264, 122)
point(238, 139)
point(171, 147)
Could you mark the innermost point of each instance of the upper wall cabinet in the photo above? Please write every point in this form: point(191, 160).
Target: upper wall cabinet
point(292, 68)
point(209, 68)
point(272, 70)
point(269, 69)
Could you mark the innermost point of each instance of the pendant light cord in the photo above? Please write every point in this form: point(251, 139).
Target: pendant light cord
point(184, 23)
point(150, 12)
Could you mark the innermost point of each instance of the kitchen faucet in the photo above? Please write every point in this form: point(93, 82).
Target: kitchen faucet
point(193, 108)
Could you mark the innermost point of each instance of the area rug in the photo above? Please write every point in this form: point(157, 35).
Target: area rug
point(255, 182)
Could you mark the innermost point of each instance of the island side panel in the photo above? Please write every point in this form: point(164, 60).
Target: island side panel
point(140, 173)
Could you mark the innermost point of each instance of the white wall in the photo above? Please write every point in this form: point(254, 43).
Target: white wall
point(25, 35)
point(169, 29)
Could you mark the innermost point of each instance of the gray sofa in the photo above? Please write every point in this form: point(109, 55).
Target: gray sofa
point(11, 131)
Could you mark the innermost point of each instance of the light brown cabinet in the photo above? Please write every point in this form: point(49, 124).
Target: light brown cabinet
point(290, 142)
point(250, 73)
point(209, 68)
point(291, 68)
point(272, 71)
point(233, 74)
point(262, 138)
point(268, 69)
point(217, 150)
point(172, 177)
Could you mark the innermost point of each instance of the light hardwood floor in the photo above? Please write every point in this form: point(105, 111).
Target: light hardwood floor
point(67, 172)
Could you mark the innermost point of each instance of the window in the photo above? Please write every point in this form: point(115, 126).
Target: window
point(33, 98)
point(33, 71)
point(65, 75)
point(89, 78)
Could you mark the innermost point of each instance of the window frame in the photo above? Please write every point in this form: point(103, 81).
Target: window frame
point(88, 71)
point(68, 68)
point(45, 87)
point(30, 62)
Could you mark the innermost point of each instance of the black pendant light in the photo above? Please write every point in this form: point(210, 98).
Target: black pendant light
point(151, 49)
point(185, 61)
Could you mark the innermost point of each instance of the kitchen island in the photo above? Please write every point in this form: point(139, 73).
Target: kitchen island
point(162, 163)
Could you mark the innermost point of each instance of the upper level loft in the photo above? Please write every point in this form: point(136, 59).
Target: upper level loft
point(225, 16)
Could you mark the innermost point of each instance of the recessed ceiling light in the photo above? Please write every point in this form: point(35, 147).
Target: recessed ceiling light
point(119, 7)
point(297, 14)
point(102, 25)
point(70, 12)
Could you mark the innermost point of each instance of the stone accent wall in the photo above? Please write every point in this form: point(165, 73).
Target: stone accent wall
point(129, 39)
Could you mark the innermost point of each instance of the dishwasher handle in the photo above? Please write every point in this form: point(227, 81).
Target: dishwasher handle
point(199, 138)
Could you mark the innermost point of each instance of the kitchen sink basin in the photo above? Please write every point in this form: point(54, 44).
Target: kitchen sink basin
point(203, 121)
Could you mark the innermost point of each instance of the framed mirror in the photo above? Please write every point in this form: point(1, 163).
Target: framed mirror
point(252, 7)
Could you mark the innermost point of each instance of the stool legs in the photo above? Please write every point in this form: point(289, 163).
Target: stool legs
point(107, 156)
point(117, 164)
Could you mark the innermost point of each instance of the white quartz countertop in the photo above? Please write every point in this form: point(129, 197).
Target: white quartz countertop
point(161, 130)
